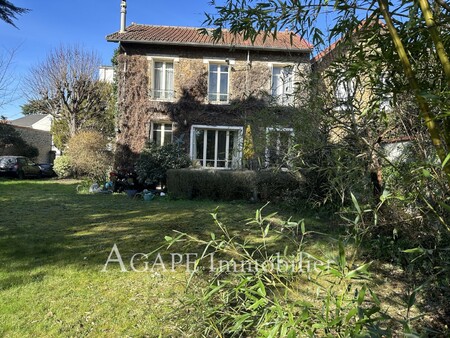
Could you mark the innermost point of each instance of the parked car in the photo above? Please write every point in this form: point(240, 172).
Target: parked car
point(47, 170)
point(19, 166)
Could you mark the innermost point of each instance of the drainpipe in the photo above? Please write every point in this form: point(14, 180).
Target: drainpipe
point(123, 15)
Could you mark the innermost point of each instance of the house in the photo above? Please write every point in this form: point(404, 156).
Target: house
point(178, 84)
point(106, 74)
point(365, 117)
point(35, 130)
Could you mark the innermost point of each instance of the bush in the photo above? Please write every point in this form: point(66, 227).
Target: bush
point(154, 161)
point(62, 167)
point(260, 293)
point(88, 155)
point(231, 185)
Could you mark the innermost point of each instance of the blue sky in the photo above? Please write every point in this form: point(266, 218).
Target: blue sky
point(51, 23)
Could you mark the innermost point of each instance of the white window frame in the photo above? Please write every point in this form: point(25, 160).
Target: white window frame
point(285, 99)
point(162, 123)
point(164, 59)
point(344, 93)
point(386, 98)
point(239, 146)
point(270, 129)
point(219, 62)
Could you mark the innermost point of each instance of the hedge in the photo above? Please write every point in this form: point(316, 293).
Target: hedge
point(264, 185)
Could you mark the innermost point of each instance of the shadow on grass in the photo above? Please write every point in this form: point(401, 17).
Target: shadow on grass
point(46, 223)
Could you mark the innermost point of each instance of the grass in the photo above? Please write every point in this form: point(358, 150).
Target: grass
point(55, 242)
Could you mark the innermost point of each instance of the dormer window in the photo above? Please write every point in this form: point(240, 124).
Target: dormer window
point(218, 79)
point(163, 84)
point(283, 84)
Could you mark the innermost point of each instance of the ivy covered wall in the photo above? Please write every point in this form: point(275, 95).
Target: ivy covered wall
point(249, 94)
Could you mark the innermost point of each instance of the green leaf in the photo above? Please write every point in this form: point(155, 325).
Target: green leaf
point(446, 161)
point(213, 236)
point(375, 298)
point(358, 272)
point(342, 259)
point(351, 314)
point(168, 238)
point(414, 250)
point(361, 295)
point(445, 206)
point(426, 173)
point(355, 203)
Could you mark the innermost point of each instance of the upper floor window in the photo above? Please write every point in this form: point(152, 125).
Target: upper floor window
point(283, 84)
point(163, 87)
point(161, 133)
point(218, 83)
point(344, 93)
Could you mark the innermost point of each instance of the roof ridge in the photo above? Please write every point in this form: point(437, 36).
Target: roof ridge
point(290, 32)
point(167, 26)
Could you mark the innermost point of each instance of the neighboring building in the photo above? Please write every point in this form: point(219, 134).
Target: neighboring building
point(106, 74)
point(35, 121)
point(40, 139)
point(179, 85)
point(35, 130)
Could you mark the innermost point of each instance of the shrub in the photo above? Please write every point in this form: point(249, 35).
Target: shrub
point(231, 185)
point(88, 155)
point(260, 293)
point(154, 161)
point(62, 167)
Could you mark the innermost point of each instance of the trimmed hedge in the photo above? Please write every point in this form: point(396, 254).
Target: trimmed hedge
point(231, 185)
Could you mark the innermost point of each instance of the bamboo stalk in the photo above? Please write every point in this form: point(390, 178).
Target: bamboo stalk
point(425, 111)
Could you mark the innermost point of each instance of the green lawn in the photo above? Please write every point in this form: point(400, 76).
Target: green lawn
point(54, 243)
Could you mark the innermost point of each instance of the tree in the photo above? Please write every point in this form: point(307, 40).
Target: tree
point(410, 26)
point(7, 79)
point(9, 12)
point(66, 86)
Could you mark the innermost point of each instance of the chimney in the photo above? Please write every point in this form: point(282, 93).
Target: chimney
point(123, 16)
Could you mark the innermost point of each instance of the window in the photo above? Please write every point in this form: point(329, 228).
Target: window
point(217, 147)
point(279, 142)
point(344, 93)
point(218, 83)
point(162, 133)
point(386, 96)
point(283, 84)
point(163, 80)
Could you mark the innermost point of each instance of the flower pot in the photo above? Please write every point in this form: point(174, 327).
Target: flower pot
point(148, 197)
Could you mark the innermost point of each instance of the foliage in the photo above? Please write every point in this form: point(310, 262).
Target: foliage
point(9, 12)
point(226, 185)
point(89, 155)
point(8, 83)
point(211, 184)
point(399, 48)
point(257, 293)
point(12, 143)
point(154, 161)
point(60, 133)
point(63, 167)
point(66, 86)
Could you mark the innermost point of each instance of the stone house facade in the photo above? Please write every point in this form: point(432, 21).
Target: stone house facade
point(215, 97)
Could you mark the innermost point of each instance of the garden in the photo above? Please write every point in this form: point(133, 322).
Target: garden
point(60, 274)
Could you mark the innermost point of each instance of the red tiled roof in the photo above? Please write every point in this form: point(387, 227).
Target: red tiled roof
point(286, 41)
point(333, 46)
